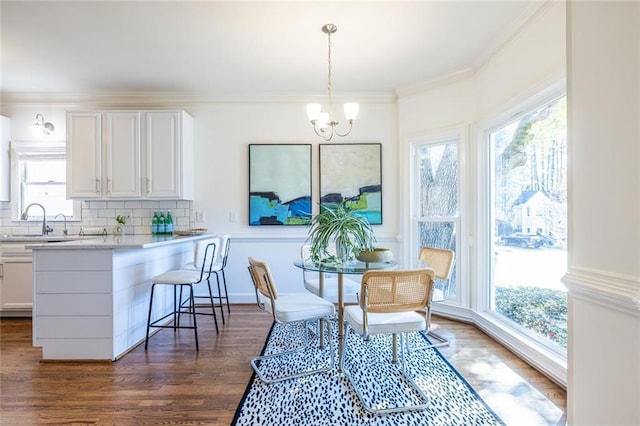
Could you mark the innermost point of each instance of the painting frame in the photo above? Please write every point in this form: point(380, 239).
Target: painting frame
point(351, 173)
point(280, 187)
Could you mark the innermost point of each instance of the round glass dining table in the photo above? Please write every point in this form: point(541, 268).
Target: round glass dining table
point(351, 267)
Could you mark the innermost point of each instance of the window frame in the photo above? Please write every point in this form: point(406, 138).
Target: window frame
point(459, 134)
point(21, 147)
point(545, 356)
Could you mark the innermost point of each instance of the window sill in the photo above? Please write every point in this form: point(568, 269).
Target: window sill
point(547, 361)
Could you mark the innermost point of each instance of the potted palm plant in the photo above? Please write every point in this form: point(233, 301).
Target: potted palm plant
point(349, 232)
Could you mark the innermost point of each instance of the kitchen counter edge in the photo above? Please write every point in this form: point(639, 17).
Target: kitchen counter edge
point(117, 242)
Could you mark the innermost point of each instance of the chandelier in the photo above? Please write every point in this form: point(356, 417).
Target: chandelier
point(324, 123)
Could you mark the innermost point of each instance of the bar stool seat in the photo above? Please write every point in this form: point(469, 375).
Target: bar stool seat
point(205, 253)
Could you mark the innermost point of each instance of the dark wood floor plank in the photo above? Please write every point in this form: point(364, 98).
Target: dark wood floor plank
point(172, 383)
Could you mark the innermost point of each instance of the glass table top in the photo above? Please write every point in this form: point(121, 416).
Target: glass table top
point(350, 267)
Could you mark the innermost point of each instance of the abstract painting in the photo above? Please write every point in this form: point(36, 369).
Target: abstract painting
point(279, 184)
point(352, 174)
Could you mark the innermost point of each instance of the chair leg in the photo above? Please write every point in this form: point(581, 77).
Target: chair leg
point(213, 307)
point(441, 340)
point(255, 362)
point(226, 295)
point(421, 399)
point(193, 312)
point(219, 297)
point(146, 340)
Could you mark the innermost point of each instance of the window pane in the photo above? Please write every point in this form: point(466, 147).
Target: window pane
point(438, 199)
point(438, 180)
point(440, 235)
point(51, 196)
point(45, 170)
point(530, 222)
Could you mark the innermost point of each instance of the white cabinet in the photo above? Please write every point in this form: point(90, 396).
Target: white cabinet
point(169, 154)
point(16, 279)
point(103, 155)
point(5, 137)
point(122, 155)
point(16, 285)
point(106, 158)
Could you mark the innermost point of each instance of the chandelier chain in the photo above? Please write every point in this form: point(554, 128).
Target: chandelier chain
point(329, 85)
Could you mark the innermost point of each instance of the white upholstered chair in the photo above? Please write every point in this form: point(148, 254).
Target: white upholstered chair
point(205, 253)
point(288, 308)
point(389, 301)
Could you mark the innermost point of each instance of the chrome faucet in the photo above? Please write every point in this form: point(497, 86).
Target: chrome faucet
point(64, 232)
point(45, 228)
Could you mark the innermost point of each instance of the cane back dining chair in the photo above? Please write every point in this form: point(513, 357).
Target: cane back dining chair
point(205, 252)
point(329, 289)
point(288, 309)
point(441, 261)
point(389, 301)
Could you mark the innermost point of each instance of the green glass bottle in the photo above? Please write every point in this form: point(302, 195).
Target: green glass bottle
point(161, 223)
point(154, 223)
point(169, 224)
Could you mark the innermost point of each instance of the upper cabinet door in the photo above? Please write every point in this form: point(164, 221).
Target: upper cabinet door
point(84, 155)
point(122, 176)
point(106, 158)
point(169, 155)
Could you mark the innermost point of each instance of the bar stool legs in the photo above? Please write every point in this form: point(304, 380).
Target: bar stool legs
point(177, 310)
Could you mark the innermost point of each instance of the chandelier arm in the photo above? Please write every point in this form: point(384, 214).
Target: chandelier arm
point(348, 131)
point(326, 135)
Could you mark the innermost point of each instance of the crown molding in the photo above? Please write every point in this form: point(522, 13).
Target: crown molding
point(175, 99)
point(533, 10)
point(441, 81)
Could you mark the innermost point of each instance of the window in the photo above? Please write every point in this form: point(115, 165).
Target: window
point(436, 189)
point(39, 176)
point(528, 216)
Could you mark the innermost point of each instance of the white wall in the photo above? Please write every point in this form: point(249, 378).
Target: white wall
point(223, 131)
point(531, 62)
point(604, 240)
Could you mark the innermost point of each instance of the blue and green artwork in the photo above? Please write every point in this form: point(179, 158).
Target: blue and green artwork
point(352, 174)
point(279, 184)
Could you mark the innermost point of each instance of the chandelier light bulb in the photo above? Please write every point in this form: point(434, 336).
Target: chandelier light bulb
point(313, 111)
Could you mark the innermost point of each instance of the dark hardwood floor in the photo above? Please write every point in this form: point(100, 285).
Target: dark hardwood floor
point(171, 383)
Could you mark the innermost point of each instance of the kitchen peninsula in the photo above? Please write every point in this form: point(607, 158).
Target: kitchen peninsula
point(91, 295)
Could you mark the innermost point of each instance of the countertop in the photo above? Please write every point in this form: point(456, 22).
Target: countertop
point(115, 242)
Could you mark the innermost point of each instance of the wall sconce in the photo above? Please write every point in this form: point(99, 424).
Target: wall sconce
point(46, 127)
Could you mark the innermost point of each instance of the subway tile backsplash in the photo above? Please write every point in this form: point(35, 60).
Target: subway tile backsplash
point(101, 214)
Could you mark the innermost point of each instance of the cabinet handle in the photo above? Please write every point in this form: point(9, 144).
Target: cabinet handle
point(97, 186)
point(148, 186)
point(109, 185)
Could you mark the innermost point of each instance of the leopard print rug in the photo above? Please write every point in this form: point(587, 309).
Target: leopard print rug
point(329, 398)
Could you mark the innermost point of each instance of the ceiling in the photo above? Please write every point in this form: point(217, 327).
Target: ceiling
point(241, 48)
